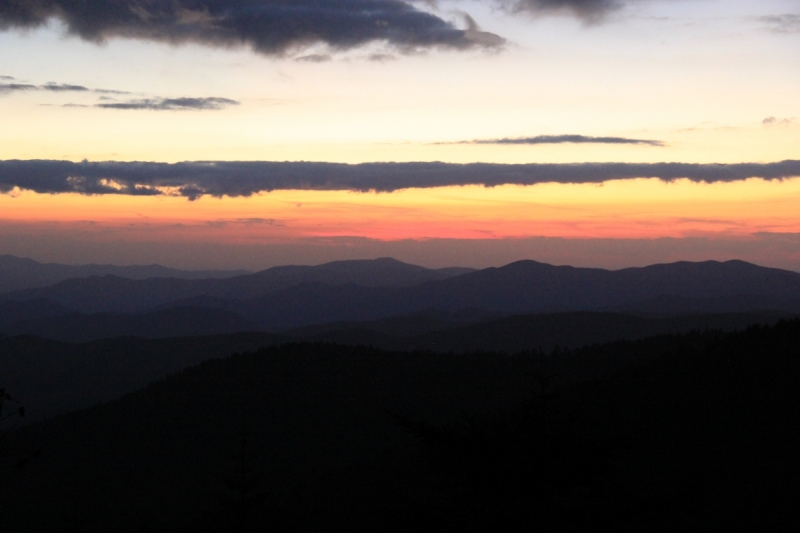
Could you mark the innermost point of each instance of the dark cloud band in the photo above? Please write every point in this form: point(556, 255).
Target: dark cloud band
point(195, 179)
point(268, 26)
point(172, 104)
point(153, 104)
point(588, 10)
point(6, 88)
point(565, 139)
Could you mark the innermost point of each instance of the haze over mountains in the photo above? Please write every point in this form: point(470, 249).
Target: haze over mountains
point(383, 303)
point(296, 296)
point(116, 293)
point(349, 365)
point(18, 273)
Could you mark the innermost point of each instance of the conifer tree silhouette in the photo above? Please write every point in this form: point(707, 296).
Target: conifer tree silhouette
point(8, 418)
point(244, 488)
point(11, 412)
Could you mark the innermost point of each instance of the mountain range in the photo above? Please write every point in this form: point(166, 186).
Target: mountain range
point(296, 296)
point(114, 293)
point(17, 273)
point(395, 397)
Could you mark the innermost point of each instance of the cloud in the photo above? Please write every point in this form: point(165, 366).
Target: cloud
point(7, 78)
point(271, 27)
point(563, 139)
point(590, 11)
point(110, 91)
point(6, 88)
point(381, 58)
point(786, 23)
point(63, 87)
point(775, 121)
point(314, 58)
point(106, 102)
point(237, 178)
point(172, 104)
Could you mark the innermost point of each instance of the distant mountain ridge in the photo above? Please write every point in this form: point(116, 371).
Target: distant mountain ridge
point(291, 297)
point(526, 287)
point(17, 273)
point(117, 294)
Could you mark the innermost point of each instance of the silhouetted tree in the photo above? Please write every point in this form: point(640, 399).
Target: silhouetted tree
point(11, 411)
point(244, 489)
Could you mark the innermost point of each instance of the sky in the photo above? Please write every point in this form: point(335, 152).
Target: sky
point(253, 133)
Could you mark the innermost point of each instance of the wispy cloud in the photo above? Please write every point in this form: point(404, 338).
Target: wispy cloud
point(107, 100)
point(236, 178)
point(381, 58)
point(590, 11)
point(172, 104)
point(314, 58)
point(63, 87)
point(271, 27)
point(786, 23)
point(221, 223)
point(6, 88)
point(562, 139)
point(775, 121)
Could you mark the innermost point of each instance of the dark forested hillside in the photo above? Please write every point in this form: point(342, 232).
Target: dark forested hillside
point(52, 377)
point(676, 432)
point(524, 332)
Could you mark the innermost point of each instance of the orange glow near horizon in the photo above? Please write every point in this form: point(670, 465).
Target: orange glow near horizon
point(642, 208)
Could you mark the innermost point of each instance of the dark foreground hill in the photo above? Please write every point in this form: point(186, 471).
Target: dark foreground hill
point(524, 332)
point(18, 273)
point(51, 377)
point(694, 432)
point(55, 377)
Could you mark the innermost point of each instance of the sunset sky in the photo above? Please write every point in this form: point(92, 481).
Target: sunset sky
point(252, 133)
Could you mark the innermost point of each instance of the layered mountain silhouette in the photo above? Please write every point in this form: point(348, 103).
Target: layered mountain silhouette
point(12, 312)
point(522, 287)
point(116, 294)
point(175, 322)
point(18, 273)
point(290, 297)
